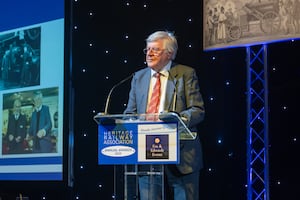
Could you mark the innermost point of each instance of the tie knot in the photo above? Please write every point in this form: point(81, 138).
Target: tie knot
point(157, 75)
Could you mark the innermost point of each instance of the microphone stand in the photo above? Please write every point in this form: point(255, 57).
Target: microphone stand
point(114, 196)
point(175, 91)
point(111, 90)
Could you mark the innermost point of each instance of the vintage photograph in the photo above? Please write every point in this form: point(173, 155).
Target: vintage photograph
point(20, 58)
point(243, 22)
point(30, 122)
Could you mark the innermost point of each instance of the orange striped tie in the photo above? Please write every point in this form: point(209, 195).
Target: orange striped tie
point(155, 97)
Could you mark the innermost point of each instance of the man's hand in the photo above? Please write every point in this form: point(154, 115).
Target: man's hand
point(41, 133)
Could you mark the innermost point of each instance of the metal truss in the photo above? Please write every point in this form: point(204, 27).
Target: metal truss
point(257, 124)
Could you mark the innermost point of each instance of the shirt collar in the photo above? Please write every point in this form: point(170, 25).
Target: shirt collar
point(38, 108)
point(164, 71)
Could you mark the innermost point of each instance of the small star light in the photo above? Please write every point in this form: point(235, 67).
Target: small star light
point(91, 14)
point(284, 107)
point(106, 51)
point(75, 27)
point(81, 167)
point(77, 197)
point(211, 98)
point(83, 70)
point(295, 139)
point(190, 20)
point(227, 83)
point(278, 182)
point(213, 58)
point(273, 68)
point(125, 61)
point(219, 141)
point(190, 46)
point(90, 44)
point(145, 6)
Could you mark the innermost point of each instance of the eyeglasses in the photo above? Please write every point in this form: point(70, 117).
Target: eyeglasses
point(155, 51)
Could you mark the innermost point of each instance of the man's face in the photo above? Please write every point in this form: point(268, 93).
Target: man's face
point(37, 102)
point(157, 57)
point(17, 107)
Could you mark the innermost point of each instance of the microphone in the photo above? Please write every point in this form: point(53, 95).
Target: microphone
point(175, 92)
point(173, 111)
point(169, 115)
point(112, 89)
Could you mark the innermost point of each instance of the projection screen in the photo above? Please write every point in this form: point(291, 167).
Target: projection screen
point(32, 92)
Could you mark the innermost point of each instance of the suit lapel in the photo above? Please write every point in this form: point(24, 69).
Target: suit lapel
point(171, 90)
point(144, 90)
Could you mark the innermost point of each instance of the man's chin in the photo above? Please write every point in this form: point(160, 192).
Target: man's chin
point(151, 66)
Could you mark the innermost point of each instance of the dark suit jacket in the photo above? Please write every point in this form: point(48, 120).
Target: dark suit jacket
point(184, 83)
point(17, 128)
point(44, 123)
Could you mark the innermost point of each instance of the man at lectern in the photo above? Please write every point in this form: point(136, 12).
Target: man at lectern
point(175, 88)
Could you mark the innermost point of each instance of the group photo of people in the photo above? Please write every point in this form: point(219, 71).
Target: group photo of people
point(30, 122)
point(20, 58)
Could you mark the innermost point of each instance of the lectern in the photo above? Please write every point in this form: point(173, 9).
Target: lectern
point(129, 140)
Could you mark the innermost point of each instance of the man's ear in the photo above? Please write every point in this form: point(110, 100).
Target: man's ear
point(170, 54)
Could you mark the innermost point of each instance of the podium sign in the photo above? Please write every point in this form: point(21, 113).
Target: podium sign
point(133, 139)
point(142, 142)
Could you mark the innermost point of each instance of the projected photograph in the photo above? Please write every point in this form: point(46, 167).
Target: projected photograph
point(30, 122)
point(32, 92)
point(20, 58)
point(243, 22)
